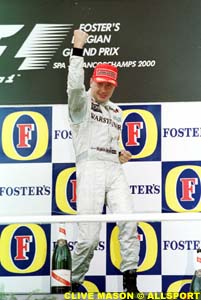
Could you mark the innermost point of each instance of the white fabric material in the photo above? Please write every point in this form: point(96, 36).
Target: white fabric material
point(93, 125)
point(100, 177)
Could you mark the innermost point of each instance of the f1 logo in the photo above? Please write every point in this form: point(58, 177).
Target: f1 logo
point(7, 31)
point(37, 54)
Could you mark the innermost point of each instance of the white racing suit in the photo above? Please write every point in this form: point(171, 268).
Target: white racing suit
point(100, 178)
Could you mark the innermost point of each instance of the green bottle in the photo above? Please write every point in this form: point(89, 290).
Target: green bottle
point(61, 264)
point(196, 280)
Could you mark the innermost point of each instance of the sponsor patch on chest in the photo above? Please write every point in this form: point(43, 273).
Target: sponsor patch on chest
point(105, 120)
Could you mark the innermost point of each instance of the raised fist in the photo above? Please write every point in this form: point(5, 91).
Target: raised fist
point(80, 38)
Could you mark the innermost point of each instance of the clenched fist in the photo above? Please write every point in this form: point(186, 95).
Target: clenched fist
point(124, 156)
point(80, 38)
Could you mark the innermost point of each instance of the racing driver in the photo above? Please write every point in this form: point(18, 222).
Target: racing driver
point(96, 128)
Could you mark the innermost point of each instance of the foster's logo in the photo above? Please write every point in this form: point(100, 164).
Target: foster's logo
point(176, 284)
point(64, 189)
point(150, 248)
point(181, 187)
point(24, 249)
point(25, 134)
point(141, 131)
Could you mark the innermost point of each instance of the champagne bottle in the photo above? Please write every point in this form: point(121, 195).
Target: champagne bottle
point(61, 264)
point(196, 280)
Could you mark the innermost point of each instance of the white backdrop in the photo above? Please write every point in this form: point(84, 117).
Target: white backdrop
point(39, 178)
